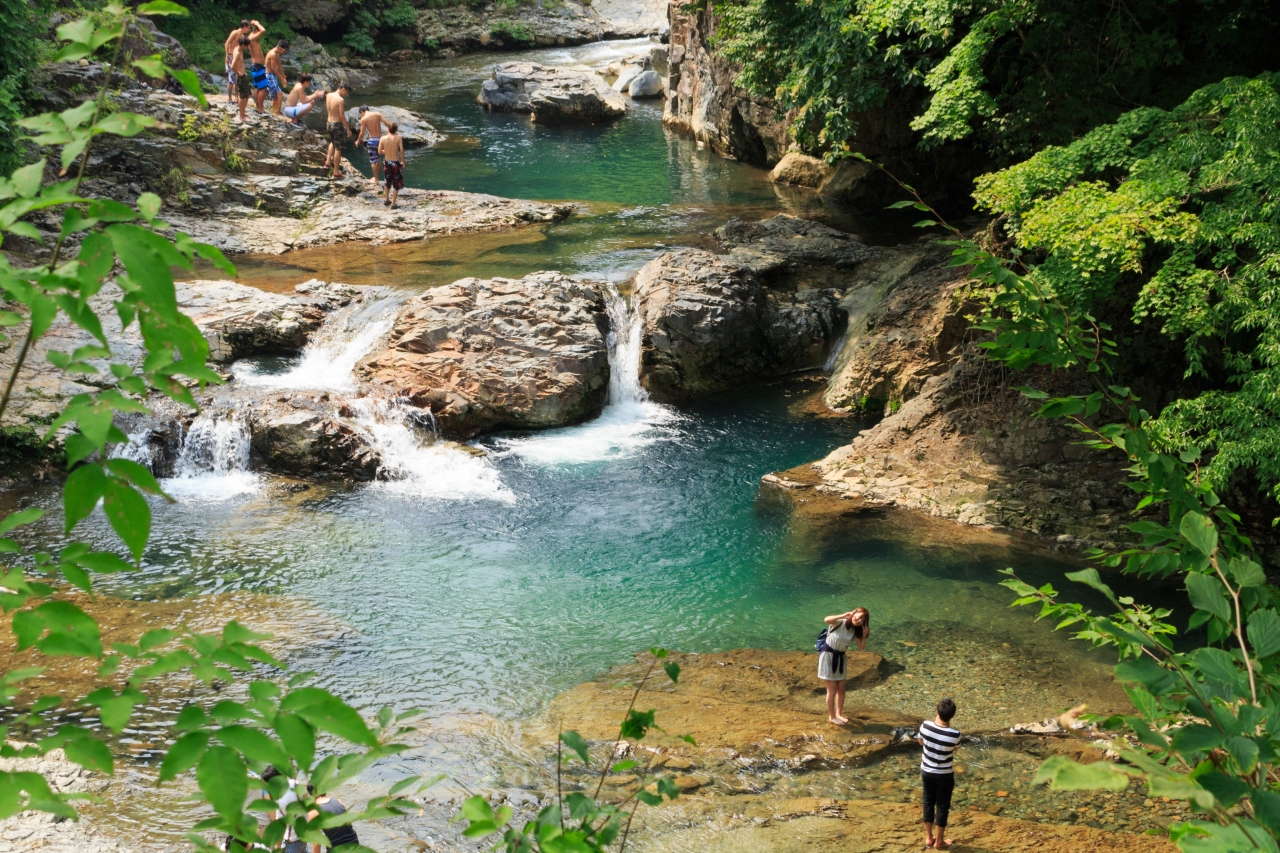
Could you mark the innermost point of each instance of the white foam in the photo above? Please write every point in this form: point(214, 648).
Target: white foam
point(421, 468)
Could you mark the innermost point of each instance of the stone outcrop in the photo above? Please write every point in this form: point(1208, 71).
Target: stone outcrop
point(710, 323)
point(550, 95)
point(646, 84)
point(798, 242)
point(542, 23)
point(260, 186)
point(847, 180)
point(703, 101)
point(312, 444)
point(240, 321)
point(524, 353)
point(412, 127)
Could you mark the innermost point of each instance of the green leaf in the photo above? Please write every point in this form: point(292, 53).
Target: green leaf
point(129, 515)
point(185, 753)
point(1199, 532)
point(1196, 738)
point(223, 778)
point(673, 671)
point(1266, 808)
point(149, 203)
point(85, 486)
point(135, 473)
point(637, 724)
point(578, 744)
point(298, 737)
point(156, 637)
point(254, 745)
point(20, 518)
point(162, 7)
point(1264, 633)
point(1245, 753)
point(1063, 774)
point(152, 66)
point(1246, 572)
point(90, 753)
point(1207, 593)
point(328, 713)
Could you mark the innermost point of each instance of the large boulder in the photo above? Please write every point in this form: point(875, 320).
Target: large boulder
point(625, 75)
point(312, 444)
point(647, 84)
point(416, 131)
point(550, 95)
point(524, 353)
point(710, 323)
point(797, 241)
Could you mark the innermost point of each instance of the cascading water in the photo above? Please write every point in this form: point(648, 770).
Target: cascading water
point(328, 361)
point(630, 420)
point(213, 463)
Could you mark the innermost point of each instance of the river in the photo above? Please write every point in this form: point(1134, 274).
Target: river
point(476, 586)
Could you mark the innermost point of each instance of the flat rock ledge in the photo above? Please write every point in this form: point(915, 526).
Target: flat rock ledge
point(551, 95)
point(710, 323)
point(362, 216)
point(482, 355)
point(412, 127)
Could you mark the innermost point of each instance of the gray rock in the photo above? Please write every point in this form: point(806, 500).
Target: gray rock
point(646, 85)
point(312, 444)
point(710, 323)
point(524, 353)
point(797, 241)
point(625, 75)
point(416, 131)
point(550, 95)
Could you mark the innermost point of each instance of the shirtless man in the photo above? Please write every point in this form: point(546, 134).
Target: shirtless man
point(275, 74)
point(299, 103)
point(243, 87)
point(391, 149)
point(257, 66)
point(232, 42)
point(337, 127)
point(371, 122)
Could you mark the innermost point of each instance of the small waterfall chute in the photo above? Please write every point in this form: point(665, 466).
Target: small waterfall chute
point(213, 462)
point(630, 420)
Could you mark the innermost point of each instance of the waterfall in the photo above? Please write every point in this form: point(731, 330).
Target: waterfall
point(418, 465)
point(328, 361)
point(213, 462)
point(630, 421)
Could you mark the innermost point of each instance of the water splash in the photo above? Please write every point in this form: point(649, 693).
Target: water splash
point(630, 421)
point(213, 463)
point(421, 467)
point(328, 362)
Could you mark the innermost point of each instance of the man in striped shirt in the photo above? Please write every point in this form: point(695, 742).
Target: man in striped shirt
point(939, 741)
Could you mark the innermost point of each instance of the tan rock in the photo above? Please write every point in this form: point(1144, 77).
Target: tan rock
point(801, 170)
point(524, 353)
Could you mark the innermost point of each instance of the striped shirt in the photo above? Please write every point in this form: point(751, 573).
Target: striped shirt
point(939, 747)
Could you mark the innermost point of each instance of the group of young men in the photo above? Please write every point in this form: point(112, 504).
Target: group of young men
point(251, 74)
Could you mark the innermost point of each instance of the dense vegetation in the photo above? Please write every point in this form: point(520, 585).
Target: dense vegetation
point(20, 54)
point(1010, 76)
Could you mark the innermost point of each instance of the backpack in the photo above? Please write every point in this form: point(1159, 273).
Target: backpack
point(821, 645)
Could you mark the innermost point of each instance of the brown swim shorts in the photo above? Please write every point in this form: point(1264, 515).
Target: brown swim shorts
point(337, 132)
point(243, 87)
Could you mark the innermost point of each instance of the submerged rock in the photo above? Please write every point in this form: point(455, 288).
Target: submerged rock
point(550, 95)
point(413, 128)
point(710, 323)
point(524, 353)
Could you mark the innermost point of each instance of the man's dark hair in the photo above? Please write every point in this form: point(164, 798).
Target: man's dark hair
point(393, 127)
point(363, 109)
point(244, 41)
point(304, 78)
point(270, 773)
point(283, 44)
point(244, 24)
point(345, 87)
point(946, 710)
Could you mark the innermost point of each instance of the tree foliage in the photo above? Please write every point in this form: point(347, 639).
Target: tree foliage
point(1175, 210)
point(1010, 75)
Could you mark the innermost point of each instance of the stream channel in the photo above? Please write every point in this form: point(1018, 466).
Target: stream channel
point(478, 587)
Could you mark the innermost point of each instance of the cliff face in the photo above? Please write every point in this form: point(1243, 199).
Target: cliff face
point(703, 101)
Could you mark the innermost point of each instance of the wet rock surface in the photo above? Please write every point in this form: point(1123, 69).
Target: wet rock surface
point(313, 444)
point(550, 95)
point(710, 322)
point(524, 353)
point(542, 24)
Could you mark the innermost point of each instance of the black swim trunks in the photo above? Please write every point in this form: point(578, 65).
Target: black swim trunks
point(337, 132)
point(394, 172)
point(243, 87)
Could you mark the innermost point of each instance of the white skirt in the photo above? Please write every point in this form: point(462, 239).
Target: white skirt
point(825, 671)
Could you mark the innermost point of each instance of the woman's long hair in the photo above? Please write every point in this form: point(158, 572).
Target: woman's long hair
point(866, 621)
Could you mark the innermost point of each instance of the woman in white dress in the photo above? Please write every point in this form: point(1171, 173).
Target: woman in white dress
point(842, 629)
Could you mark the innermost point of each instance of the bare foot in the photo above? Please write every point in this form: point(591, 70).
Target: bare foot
point(941, 843)
point(843, 720)
point(836, 721)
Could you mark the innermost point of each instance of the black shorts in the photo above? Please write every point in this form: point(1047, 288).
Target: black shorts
point(337, 132)
point(243, 87)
